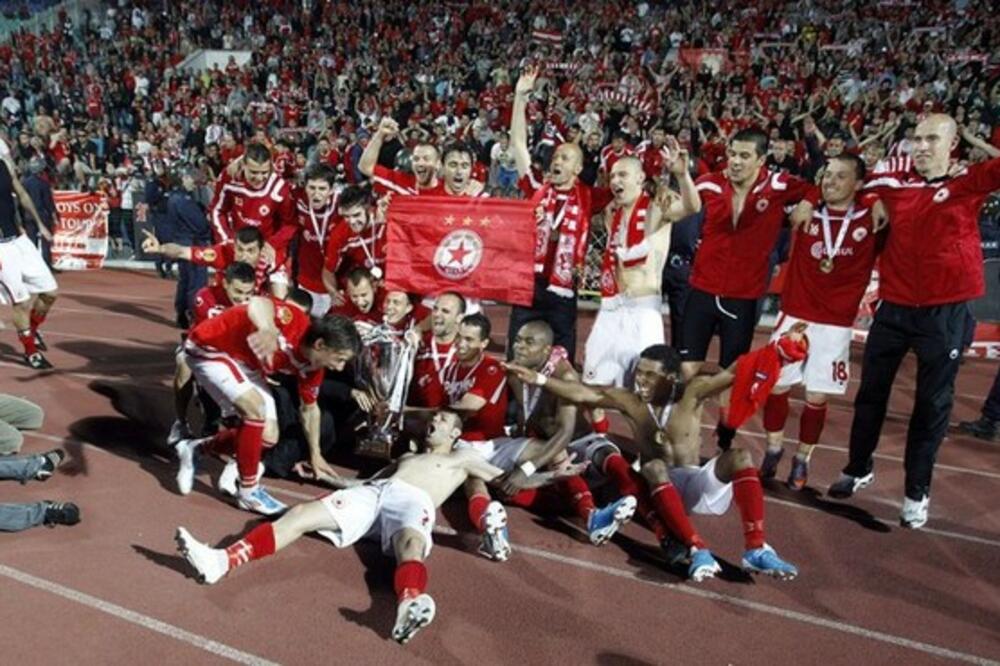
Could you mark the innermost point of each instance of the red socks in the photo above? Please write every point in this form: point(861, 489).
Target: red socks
point(249, 442)
point(477, 507)
point(670, 508)
point(629, 482)
point(36, 319)
point(410, 579)
point(749, 497)
point(525, 498)
point(576, 490)
point(27, 339)
point(258, 543)
point(222, 442)
point(811, 423)
point(776, 412)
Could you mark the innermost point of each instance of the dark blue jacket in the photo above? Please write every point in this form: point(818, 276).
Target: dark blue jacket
point(187, 218)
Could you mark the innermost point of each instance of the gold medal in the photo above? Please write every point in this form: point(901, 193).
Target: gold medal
point(826, 264)
point(660, 438)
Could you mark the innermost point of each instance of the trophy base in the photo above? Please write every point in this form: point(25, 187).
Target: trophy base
point(374, 448)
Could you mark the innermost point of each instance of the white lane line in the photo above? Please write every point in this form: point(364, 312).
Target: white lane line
point(880, 456)
point(145, 621)
point(767, 498)
point(778, 611)
point(114, 297)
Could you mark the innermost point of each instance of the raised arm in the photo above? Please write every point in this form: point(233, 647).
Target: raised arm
point(519, 122)
point(689, 201)
point(151, 245)
point(369, 158)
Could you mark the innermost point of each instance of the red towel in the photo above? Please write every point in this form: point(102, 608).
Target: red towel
point(756, 374)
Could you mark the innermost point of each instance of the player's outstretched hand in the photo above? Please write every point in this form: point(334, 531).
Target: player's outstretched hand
point(150, 245)
point(526, 375)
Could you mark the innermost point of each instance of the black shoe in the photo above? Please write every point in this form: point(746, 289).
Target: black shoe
point(52, 459)
point(675, 552)
point(61, 513)
point(40, 342)
point(37, 361)
point(983, 428)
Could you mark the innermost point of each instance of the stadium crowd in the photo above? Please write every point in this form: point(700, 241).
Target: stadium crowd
point(686, 120)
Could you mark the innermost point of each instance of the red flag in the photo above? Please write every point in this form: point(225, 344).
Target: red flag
point(479, 247)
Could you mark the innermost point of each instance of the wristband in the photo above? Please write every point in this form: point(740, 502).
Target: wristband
point(540, 379)
point(528, 468)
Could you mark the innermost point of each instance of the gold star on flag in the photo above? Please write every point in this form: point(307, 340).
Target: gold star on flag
point(449, 221)
point(485, 221)
point(467, 221)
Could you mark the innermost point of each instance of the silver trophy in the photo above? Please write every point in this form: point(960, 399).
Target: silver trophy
point(385, 367)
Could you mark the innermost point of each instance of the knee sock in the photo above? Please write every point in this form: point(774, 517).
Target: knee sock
point(36, 318)
point(575, 489)
point(670, 508)
point(27, 340)
point(410, 579)
point(258, 543)
point(810, 428)
point(477, 507)
point(222, 442)
point(249, 442)
point(749, 498)
point(628, 482)
point(526, 499)
point(775, 415)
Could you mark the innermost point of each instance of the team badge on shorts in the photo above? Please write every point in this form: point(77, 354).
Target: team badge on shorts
point(762, 205)
point(284, 315)
point(941, 195)
point(458, 254)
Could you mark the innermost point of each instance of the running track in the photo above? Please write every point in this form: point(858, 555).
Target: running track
point(113, 589)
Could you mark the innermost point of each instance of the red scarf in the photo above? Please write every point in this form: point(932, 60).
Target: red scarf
point(572, 223)
point(628, 244)
point(756, 374)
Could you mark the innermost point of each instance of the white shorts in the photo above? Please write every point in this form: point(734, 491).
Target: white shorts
point(624, 327)
point(502, 452)
point(379, 509)
point(321, 303)
point(701, 490)
point(828, 366)
point(225, 379)
point(23, 271)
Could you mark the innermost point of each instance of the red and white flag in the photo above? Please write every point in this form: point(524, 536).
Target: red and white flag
point(479, 247)
point(547, 36)
point(80, 238)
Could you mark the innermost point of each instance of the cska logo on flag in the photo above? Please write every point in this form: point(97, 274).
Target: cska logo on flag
point(458, 254)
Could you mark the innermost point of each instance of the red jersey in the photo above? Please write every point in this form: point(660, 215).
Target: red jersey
point(427, 385)
point(346, 250)
point(732, 258)
point(209, 302)
point(221, 255)
point(486, 379)
point(351, 311)
point(830, 298)
point(932, 253)
point(270, 208)
point(228, 333)
point(315, 228)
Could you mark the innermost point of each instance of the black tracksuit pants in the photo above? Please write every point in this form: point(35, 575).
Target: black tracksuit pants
point(934, 333)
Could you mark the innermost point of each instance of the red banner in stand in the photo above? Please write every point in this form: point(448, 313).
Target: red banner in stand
point(80, 238)
point(479, 247)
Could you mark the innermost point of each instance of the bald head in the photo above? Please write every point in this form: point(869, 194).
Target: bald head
point(933, 140)
point(567, 163)
point(533, 344)
point(627, 178)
